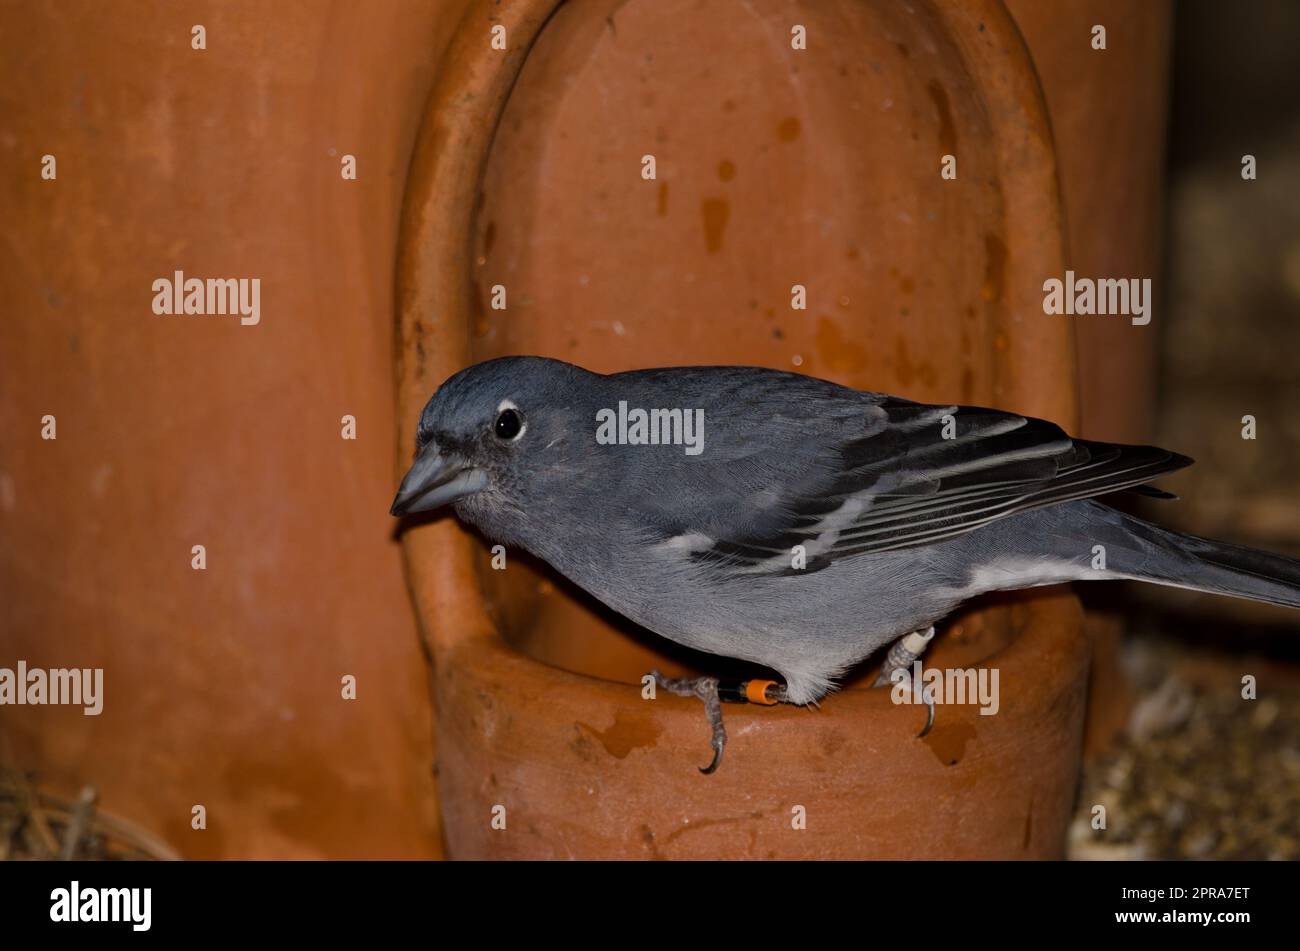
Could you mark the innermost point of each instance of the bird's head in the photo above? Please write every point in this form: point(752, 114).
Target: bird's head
point(494, 437)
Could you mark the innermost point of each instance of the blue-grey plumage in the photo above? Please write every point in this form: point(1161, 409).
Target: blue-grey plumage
point(814, 525)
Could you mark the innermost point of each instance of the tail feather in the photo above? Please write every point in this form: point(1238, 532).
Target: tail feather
point(1203, 564)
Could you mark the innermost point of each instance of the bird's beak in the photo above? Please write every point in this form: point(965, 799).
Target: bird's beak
point(434, 480)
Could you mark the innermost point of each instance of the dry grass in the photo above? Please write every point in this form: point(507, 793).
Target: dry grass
point(35, 824)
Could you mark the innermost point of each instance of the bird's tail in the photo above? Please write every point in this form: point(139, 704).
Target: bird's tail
point(1202, 564)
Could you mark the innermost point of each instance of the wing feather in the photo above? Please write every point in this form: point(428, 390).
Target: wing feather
point(929, 474)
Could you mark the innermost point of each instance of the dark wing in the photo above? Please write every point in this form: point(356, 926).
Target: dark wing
point(921, 475)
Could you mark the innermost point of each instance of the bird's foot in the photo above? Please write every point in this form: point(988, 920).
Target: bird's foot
point(897, 668)
point(714, 693)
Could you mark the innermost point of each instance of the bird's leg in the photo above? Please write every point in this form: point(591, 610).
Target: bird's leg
point(714, 693)
point(898, 667)
point(706, 688)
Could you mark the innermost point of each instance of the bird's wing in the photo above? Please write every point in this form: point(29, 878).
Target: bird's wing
point(910, 474)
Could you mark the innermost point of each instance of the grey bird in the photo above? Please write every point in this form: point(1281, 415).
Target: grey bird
point(811, 526)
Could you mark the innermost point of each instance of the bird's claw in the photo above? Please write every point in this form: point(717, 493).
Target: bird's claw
point(714, 693)
point(706, 689)
point(717, 756)
point(929, 720)
point(901, 655)
point(713, 707)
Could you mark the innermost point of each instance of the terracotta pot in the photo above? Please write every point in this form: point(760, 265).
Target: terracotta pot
point(774, 167)
point(222, 687)
point(1108, 111)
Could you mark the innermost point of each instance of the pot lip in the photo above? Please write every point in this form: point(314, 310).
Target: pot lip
point(1049, 645)
point(455, 140)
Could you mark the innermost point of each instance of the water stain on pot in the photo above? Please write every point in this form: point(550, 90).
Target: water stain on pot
point(627, 734)
point(478, 315)
point(302, 793)
point(726, 170)
point(419, 330)
point(788, 129)
point(995, 268)
point(832, 741)
point(715, 212)
point(948, 741)
point(583, 746)
point(663, 200)
point(947, 131)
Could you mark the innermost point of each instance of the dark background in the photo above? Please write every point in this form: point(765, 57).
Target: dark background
point(1198, 775)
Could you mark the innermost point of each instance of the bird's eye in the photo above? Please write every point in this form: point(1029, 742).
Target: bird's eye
point(508, 424)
